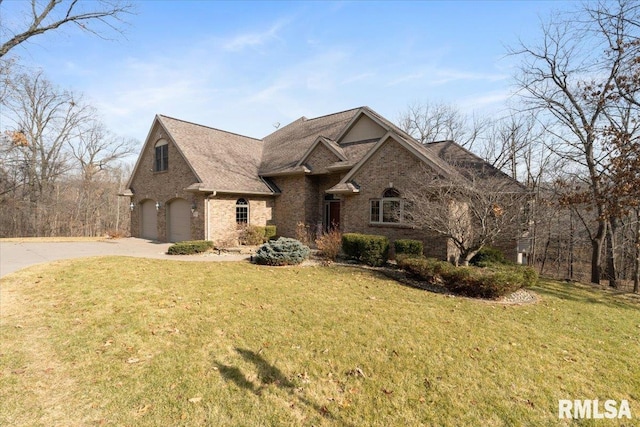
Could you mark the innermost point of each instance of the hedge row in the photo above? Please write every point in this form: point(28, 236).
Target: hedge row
point(366, 248)
point(190, 247)
point(408, 247)
point(491, 282)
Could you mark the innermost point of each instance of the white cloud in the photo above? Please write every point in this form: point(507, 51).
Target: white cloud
point(253, 39)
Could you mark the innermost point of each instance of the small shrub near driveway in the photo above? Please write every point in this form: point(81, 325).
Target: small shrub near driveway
point(190, 247)
point(490, 282)
point(369, 249)
point(408, 247)
point(284, 251)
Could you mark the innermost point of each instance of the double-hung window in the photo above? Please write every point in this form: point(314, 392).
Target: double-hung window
point(161, 156)
point(242, 212)
point(387, 210)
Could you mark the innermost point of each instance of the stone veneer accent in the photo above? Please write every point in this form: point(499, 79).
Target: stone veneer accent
point(223, 229)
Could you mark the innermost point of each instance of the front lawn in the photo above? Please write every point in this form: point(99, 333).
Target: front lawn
point(123, 341)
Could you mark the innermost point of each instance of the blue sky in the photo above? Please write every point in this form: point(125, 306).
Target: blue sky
point(244, 66)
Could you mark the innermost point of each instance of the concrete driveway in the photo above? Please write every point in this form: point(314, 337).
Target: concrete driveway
point(18, 255)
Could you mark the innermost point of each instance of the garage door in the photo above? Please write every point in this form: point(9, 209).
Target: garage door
point(149, 220)
point(179, 221)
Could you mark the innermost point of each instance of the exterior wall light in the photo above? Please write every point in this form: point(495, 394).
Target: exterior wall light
point(158, 206)
point(132, 205)
point(194, 207)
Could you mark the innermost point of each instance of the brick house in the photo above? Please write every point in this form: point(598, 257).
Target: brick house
point(347, 169)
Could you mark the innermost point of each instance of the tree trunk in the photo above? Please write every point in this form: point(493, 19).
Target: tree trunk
point(596, 252)
point(636, 275)
point(611, 254)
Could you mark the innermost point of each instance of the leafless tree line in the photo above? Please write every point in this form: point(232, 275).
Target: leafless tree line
point(573, 140)
point(59, 166)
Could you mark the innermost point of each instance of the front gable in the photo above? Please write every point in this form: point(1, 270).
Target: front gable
point(390, 156)
point(362, 128)
point(144, 169)
point(390, 165)
point(321, 154)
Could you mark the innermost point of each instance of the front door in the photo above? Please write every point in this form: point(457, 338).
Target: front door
point(332, 215)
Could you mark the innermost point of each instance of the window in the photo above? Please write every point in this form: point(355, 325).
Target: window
point(242, 211)
point(389, 209)
point(162, 156)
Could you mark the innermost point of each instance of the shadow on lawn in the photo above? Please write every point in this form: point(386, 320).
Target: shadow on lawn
point(269, 374)
point(586, 294)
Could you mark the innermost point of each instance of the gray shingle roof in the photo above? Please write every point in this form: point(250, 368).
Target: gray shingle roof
point(229, 162)
point(468, 164)
point(223, 161)
point(284, 148)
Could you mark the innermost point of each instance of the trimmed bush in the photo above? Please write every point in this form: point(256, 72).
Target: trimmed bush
point(284, 251)
point(367, 248)
point(251, 235)
point(488, 256)
point(408, 247)
point(190, 247)
point(427, 269)
point(256, 235)
point(490, 283)
point(269, 232)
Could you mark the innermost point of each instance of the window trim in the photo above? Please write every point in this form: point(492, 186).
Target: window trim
point(242, 204)
point(378, 205)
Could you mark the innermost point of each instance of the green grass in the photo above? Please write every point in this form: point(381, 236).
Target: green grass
point(121, 341)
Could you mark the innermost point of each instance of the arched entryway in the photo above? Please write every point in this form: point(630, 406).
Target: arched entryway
point(178, 221)
point(149, 220)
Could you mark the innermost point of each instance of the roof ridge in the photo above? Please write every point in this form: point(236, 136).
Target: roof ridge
point(335, 114)
point(299, 119)
point(208, 127)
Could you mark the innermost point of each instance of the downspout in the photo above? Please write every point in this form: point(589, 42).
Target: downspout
point(207, 230)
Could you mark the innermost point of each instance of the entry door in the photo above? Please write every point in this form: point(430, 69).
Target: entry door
point(332, 215)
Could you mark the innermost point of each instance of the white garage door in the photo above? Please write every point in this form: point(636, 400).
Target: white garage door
point(179, 221)
point(149, 220)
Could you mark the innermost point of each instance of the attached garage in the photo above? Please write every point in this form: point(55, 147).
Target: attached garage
point(179, 221)
point(149, 218)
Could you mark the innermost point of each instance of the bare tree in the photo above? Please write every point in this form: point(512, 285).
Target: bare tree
point(96, 150)
point(40, 17)
point(472, 212)
point(441, 122)
point(571, 76)
point(507, 144)
point(45, 119)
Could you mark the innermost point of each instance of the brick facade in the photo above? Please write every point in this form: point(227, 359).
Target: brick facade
point(163, 187)
point(320, 158)
point(303, 196)
point(223, 229)
point(392, 166)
